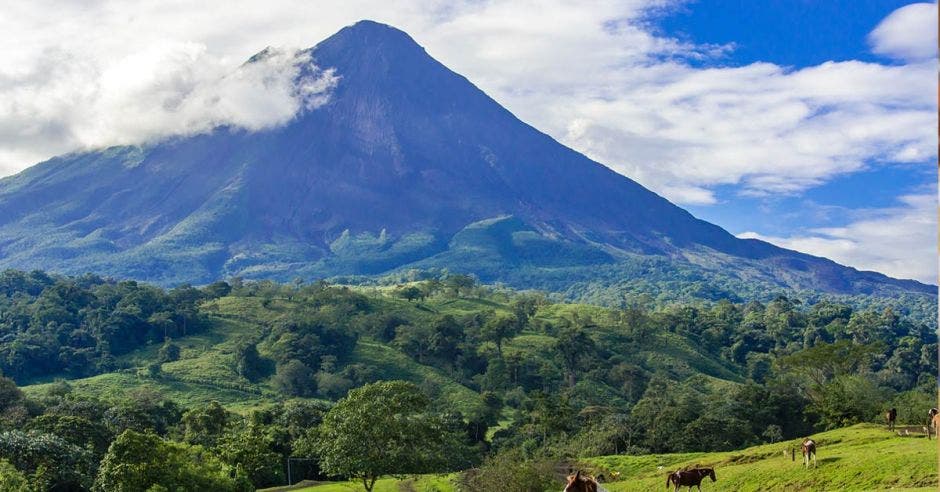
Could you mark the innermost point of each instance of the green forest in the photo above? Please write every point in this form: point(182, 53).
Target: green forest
point(240, 385)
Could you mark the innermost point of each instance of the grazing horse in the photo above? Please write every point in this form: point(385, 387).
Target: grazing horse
point(579, 483)
point(934, 423)
point(890, 417)
point(809, 451)
point(690, 478)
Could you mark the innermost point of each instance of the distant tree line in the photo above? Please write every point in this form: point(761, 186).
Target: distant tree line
point(77, 326)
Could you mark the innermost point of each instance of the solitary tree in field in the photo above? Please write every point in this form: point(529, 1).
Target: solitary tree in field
point(458, 282)
point(380, 429)
point(410, 293)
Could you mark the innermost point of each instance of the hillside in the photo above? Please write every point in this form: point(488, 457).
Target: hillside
point(861, 457)
point(206, 370)
point(407, 165)
point(247, 374)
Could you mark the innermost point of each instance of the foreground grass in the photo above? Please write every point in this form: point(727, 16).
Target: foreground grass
point(861, 457)
point(864, 457)
point(428, 483)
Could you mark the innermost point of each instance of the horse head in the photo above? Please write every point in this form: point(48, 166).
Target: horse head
point(577, 483)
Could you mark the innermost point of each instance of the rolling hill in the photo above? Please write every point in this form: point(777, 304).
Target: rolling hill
point(408, 165)
point(505, 370)
point(861, 457)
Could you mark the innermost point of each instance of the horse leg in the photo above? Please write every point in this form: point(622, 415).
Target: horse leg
point(814, 460)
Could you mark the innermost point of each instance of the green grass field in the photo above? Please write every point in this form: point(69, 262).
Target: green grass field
point(864, 457)
point(861, 457)
point(428, 483)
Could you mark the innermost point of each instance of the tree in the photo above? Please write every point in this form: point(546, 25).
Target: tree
point(78, 431)
point(295, 379)
point(251, 451)
point(11, 480)
point(512, 470)
point(204, 425)
point(575, 347)
point(55, 464)
point(143, 411)
point(380, 429)
point(138, 461)
point(248, 362)
point(773, 433)
point(458, 282)
point(12, 403)
point(410, 293)
point(824, 362)
point(168, 352)
point(848, 400)
point(499, 328)
point(217, 289)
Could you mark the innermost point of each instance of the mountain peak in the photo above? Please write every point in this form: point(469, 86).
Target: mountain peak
point(405, 146)
point(371, 27)
point(369, 42)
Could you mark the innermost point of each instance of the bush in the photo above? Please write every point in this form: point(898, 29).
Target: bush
point(138, 461)
point(11, 480)
point(60, 464)
point(295, 378)
point(168, 352)
point(510, 471)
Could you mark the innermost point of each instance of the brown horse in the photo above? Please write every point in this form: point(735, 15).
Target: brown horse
point(580, 483)
point(890, 416)
point(690, 478)
point(809, 451)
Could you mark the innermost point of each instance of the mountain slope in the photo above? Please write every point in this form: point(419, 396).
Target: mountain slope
point(407, 165)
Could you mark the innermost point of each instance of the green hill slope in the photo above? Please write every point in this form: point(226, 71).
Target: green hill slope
point(520, 378)
point(206, 370)
point(861, 457)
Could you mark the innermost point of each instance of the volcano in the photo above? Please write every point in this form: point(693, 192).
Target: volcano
point(407, 165)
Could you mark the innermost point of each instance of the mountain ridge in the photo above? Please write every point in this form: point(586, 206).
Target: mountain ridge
point(404, 157)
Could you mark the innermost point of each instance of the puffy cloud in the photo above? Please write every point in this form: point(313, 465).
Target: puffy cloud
point(61, 102)
point(909, 33)
point(899, 241)
point(625, 97)
point(764, 128)
point(594, 75)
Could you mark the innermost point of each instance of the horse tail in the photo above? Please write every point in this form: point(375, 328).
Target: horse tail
point(669, 479)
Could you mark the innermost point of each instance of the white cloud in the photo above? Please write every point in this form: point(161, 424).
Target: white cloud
point(592, 74)
point(898, 241)
point(909, 33)
point(62, 102)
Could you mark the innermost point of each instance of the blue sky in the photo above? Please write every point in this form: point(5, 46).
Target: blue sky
point(800, 34)
point(808, 123)
point(767, 32)
point(796, 33)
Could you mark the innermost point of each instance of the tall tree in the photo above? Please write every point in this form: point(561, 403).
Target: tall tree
point(383, 428)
